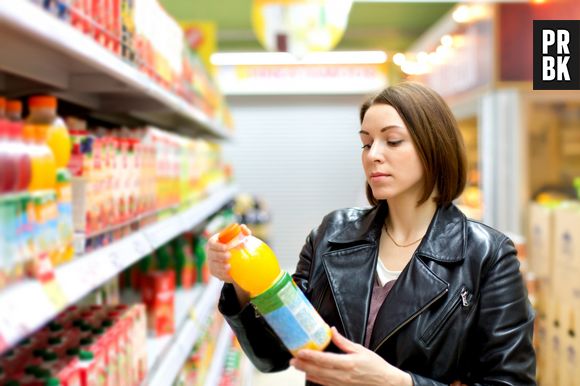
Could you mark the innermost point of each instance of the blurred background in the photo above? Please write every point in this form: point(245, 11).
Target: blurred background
point(133, 130)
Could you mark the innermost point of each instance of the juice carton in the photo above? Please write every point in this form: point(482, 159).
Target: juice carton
point(158, 294)
point(88, 372)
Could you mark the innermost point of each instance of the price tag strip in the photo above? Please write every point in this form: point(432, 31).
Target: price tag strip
point(24, 307)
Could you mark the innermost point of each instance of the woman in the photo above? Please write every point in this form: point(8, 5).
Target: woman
point(418, 294)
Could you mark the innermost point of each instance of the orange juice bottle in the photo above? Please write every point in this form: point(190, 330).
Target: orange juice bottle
point(43, 164)
point(43, 113)
point(42, 160)
point(254, 266)
point(255, 269)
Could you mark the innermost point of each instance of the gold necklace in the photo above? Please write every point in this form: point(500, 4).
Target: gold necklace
point(401, 245)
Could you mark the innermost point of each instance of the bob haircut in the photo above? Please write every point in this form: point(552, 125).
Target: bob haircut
point(436, 137)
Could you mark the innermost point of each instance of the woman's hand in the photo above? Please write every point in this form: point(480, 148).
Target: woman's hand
point(218, 260)
point(359, 366)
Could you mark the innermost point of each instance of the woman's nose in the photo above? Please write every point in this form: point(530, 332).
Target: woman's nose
point(376, 153)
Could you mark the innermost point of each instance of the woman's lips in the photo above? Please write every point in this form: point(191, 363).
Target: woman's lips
point(378, 176)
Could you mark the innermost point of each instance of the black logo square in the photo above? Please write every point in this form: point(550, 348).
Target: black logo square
point(556, 54)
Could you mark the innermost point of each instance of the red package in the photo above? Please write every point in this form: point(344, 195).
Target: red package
point(158, 294)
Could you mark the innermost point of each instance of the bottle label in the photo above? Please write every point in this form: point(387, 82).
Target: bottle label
point(292, 317)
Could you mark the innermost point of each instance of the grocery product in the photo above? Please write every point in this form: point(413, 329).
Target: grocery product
point(43, 160)
point(43, 114)
point(84, 346)
point(64, 223)
point(15, 131)
point(255, 269)
point(158, 293)
point(8, 158)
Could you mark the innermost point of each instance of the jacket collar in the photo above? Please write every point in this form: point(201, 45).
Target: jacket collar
point(445, 240)
point(350, 270)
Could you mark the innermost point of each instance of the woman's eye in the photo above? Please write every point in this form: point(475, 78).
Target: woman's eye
point(394, 143)
point(367, 146)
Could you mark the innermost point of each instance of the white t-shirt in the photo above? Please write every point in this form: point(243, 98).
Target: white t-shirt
point(384, 274)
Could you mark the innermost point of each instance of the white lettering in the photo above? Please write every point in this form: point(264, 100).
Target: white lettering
point(563, 68)
point(548, 39)
point(548, 71)
point(563, 40)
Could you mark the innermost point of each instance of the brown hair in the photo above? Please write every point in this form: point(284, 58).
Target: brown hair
point(436, 137)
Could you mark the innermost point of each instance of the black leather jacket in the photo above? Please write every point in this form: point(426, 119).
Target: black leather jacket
point(458, 311)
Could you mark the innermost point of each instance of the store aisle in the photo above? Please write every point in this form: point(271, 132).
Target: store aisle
point(290, 377)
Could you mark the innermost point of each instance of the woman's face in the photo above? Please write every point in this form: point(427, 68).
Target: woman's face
point(391, 163)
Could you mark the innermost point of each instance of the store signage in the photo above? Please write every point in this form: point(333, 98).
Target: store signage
point(556, 54)
point(301, 79)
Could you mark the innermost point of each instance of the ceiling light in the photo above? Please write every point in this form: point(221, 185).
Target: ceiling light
point(446, 41)
point(285, 58)
point(399, 58)
point(422, 57)
point(462, 14)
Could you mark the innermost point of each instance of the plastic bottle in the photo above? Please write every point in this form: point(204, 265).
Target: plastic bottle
point(43, 113)
point(255, 269)
point(21, 150)
point(42, 160)
point(8, 159)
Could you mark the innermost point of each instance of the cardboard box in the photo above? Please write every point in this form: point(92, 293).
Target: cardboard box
point(158, 294)
point(551, 371)
point(541, 344)
point(567, 236)
point(569, 353)
point(540, 240)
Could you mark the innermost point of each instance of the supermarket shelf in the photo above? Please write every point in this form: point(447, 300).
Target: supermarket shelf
point(216, 369)
point(76, 68)
point(172, 355)
point(185, 301)
point(160, 233)
point(28, 305)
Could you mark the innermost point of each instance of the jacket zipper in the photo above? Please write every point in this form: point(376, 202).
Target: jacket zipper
point(321, 297)
point(460, 300)
point(411, 318)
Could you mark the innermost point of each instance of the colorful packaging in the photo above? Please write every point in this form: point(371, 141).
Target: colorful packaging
point(158, 294)
point(254, 268)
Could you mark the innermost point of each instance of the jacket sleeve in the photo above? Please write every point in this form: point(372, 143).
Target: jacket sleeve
point(259, 342)
point(503, 354)
point(264, 349)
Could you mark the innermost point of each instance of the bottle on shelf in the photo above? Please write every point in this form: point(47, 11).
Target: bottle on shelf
point(15, 129)
point(255, 269)
point(43, 114)
point(8, 157)
point(43, 160)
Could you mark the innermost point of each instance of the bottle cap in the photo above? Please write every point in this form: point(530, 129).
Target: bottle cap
point(230, 233)
point(42, 101)
point(63, 175)
point(73, 351)
point(86, 356)
point(53, 326)
point(42, 373)
point(50, 356)
point(14, 106)
point(39, 352)
point(107, 323)
point(31, 369)
point(55, 340)
point(86, 341)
